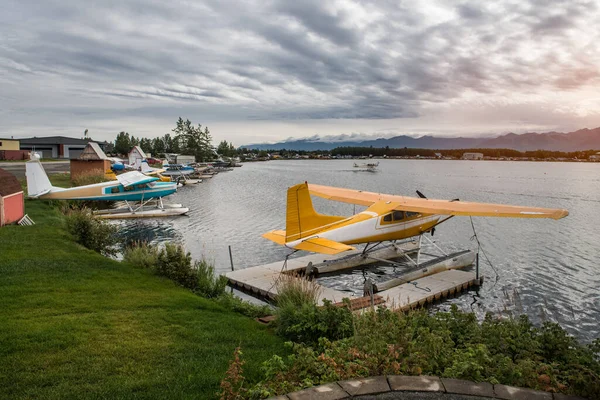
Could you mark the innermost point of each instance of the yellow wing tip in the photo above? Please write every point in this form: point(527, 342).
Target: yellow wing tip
point(561, 214)
point(276, 236)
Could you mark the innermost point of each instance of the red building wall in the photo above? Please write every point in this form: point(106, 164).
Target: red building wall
point(12, 208)
point(14, 154)
point(82, 169)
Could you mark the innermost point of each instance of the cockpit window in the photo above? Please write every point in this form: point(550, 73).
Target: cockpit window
point(410, 214)
point(387, 218)
point(398, 215)
point(114, 189)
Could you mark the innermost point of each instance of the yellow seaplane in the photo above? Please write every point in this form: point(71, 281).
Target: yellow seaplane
point(387, 218)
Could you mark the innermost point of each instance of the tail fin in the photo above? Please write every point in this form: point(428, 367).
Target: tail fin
point(38, 183)
point(145, 168)
point(301, 218)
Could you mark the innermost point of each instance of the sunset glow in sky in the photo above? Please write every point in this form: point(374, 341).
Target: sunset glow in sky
point(263, 71)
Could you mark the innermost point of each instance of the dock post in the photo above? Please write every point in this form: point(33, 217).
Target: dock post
point(231, 258)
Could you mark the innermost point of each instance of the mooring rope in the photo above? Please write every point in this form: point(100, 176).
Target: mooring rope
point(283, 268)
point(480, 247)
point(418, 287)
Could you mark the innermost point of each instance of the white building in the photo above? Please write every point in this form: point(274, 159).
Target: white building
point(472, 156)
point(136, 155)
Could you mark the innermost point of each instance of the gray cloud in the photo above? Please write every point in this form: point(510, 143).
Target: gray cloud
point(282, 60)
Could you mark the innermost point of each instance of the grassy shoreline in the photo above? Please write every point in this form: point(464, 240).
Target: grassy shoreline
point(79, 325)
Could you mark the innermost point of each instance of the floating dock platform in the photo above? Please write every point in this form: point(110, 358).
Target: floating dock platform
point(437, 280)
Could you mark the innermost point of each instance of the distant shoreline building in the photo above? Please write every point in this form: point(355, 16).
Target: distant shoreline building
point(57, 146)
point(472, 156)
point(10, 150)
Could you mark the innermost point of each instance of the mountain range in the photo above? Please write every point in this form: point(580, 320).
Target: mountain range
point(583, 139)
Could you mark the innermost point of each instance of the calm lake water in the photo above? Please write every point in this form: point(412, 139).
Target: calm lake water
point(546, 269)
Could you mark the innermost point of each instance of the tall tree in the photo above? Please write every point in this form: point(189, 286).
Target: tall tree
point(146, 145)
point(123, 143)
point(193, 140)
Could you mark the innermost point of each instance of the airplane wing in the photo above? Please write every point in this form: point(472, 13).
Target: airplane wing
point(432, 206)
point(134, 178)
point(346, 195)
point(467, 208)
point(324, 246)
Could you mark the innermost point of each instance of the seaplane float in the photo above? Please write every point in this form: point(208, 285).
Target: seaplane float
point(142, 195)
point(392, 220)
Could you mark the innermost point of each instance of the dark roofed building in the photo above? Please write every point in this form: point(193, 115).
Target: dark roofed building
point(56, 146)
point(12, 200)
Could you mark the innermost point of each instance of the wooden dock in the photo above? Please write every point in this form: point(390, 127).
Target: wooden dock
point(426, 290)
point(262, 281)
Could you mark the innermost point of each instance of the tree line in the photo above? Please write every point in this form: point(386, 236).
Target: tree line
point(186, 139)
point(457, 153)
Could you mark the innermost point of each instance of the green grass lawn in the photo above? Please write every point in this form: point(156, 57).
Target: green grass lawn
point(74, 324)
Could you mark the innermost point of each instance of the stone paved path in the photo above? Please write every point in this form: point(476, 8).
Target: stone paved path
point(418, 387)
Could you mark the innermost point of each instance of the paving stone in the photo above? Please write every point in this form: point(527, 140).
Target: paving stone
point(331, 391)
point(460, 386)
point(375, 384)
point(560, 396)
point(515, 393)
point(416, 383)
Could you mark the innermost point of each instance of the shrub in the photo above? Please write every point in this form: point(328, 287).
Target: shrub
point(300, 319)
point(308, 323)
point(231, 385)
point(209, 285)
point(174, 263)
point(450, 344)
point(142, 255)
point(91, 232)
point(293, 290)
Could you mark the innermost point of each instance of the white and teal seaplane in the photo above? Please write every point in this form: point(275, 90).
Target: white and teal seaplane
point(142, 195)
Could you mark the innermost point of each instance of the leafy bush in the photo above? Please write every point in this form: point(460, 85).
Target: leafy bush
point(92, 232)
point(308, 322)
point(174, 263)
point(142, 255)
point(450, 344)
point(209, 285)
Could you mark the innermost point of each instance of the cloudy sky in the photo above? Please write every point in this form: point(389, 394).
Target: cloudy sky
point(263, 71)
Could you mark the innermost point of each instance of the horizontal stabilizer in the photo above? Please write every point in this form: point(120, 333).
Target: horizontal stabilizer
point(322, 245)
point(276, 236)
